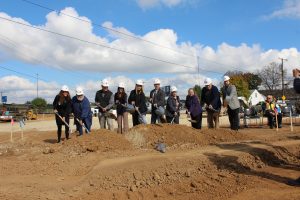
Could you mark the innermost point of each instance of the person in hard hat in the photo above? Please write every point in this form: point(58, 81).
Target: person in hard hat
point(122, 114)
point(271, 110)
point(104, 100)
point(210, 99)
point(62, 106)
point(194, 109)
point(82, 111)
point(231, 102)
point(137, 98)
point(173, 107)
point(157, 100)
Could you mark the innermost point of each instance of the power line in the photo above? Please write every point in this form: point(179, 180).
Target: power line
point(21, 73)
point(108, 28)
point(13, 43)
point(97, 44)
point(120, 32)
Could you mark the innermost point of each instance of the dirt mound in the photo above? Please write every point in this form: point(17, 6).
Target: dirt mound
point(100, 141)
point(147, 136)
point(97, 141)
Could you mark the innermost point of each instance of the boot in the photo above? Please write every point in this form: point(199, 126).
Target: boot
point(58, 136)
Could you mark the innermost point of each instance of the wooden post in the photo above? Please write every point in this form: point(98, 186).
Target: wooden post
point(291, 119)
point(276, 122)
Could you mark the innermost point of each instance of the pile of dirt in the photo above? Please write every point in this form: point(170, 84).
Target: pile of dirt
point(36, 143)
point(147, 136)
point(98, 141)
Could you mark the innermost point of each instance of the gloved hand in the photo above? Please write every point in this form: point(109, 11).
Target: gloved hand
point(210, 107)
point(175, 114)
point(55, 111)
point(137, 108)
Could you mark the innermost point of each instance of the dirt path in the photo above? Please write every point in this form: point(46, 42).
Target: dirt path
point(207, 165)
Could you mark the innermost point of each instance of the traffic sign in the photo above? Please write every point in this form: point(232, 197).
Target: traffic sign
point(4, 99)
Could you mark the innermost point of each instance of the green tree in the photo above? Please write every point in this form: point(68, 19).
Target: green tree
point(242, 86)
point(198, 90)
point(253, 80)
point(39, 103)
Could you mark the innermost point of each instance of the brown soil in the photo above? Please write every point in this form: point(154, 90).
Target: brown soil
point(177, 135)
point(199, 164)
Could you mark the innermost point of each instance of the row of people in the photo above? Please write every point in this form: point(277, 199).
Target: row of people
point(135, 104)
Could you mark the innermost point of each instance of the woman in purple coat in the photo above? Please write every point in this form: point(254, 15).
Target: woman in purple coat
point(194, 109)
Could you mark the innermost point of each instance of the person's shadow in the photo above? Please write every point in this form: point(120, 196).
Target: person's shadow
point(51, 141)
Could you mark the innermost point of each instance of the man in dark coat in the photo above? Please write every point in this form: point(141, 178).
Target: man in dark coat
point(210, 97)
point(82, 111)
point(104, 99)
point(157, 99)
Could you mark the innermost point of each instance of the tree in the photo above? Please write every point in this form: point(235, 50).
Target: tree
point(198, 90)
point(39, 103)
point(242, 86)
point(253, 80)
point(271, 76)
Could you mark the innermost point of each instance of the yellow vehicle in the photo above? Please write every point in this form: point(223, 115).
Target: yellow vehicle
point(30, 115)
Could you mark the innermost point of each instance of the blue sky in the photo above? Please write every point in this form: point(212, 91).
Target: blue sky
point(226, 35)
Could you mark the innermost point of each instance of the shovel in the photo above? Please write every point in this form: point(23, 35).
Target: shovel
point(107, 113)
point(70, 129)
point(82, 124)
point(192, 121)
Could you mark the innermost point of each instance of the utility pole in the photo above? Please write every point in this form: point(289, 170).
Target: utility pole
point(37, 85)
point(198, 70)
point(282, 86)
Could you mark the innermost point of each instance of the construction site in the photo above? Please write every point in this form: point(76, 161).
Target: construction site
point(149, 99)
point(253, 163)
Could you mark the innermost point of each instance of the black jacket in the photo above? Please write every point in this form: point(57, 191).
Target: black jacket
point(158, 98)
point(63, 109)
point(119, 101)
point(139, 99)
point(211, 97)
point(105, 99)
point(171, 106)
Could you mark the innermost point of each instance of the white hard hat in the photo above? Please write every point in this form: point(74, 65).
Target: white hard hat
point(65, 88)
point(104, 83)
point(139, 82)
point(207, 81)
point(79, 91)
point(121, 85)
point(156, 81)
point(173, 89)
point(226, 78)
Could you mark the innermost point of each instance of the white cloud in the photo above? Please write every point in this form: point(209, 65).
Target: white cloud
point(20, 90)
point(37, 47)
point(146, 4)
point(290, 9)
